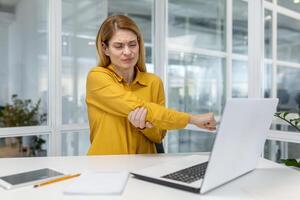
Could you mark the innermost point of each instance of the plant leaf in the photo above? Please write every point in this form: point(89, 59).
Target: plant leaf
point(285, 114)
point(295, 121)
point(291, 162)
point(277, 114)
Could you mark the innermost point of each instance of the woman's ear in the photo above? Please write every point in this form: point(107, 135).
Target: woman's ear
point(105, 49)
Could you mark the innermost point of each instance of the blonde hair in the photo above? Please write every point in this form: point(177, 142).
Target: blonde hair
point(105, 33)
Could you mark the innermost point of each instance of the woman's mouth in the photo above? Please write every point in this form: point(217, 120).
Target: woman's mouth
point(127, 60)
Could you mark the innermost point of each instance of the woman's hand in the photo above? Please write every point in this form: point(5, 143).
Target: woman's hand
point(206, 121)
point(137, 118)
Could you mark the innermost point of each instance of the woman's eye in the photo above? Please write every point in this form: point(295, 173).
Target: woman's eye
point(132, 45)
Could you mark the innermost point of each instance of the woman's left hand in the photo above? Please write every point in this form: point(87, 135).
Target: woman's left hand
point(137, 118)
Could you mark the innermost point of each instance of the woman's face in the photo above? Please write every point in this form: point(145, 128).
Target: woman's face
point(123, 49)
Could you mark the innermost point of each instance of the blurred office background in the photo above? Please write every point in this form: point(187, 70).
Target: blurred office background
point(205, 52)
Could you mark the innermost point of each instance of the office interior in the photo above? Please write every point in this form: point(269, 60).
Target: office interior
point(204, 51)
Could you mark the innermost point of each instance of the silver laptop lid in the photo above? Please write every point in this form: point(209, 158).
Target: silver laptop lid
point(240, 140)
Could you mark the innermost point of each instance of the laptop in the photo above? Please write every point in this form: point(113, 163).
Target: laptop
point(238, 145)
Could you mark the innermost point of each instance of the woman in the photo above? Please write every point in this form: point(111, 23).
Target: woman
point(125, 103)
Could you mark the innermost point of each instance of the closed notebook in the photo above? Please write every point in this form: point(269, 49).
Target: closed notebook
point(98, 183)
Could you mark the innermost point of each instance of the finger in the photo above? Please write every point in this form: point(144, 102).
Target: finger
point(137, 114)
point(211, 127)
point(138, 118)
point(132, 118)
point(134, 114)
point(211, 123)
point(149, 125)
point(143, 118)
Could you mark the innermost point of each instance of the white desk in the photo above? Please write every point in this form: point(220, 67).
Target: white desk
point(269, 181)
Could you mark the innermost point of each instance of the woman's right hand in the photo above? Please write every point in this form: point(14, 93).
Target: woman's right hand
point(137, 118)
point(206, 121)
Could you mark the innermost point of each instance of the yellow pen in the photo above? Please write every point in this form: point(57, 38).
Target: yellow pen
point(56, 180)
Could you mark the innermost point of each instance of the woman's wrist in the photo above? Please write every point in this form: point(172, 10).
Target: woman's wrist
point(197, 119)
point(191, 119)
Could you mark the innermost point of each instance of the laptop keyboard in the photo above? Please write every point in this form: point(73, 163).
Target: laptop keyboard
point(190, 174)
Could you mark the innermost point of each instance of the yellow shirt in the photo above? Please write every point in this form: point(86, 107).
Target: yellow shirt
point(109, 100)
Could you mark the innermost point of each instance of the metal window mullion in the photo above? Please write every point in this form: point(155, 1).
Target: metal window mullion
point(24, 131)
point(288, 64)
point(287, 12)
point(282, 10)
point(75, 128)
point(160, 38)
point(239, 57)
point(255, 41)
point(160, 51)
point(274, 52)
point(268, 5)
point(55, 76)
point(229, 35)
point(200, 51)
point(268, 61)
point(285, 136)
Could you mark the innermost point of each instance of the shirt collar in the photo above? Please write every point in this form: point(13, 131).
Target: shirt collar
point(112, 69)
point(139, 78)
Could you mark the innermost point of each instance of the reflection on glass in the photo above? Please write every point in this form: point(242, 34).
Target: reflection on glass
point(267, 81)
point(75, 144)
point(80, 23)
point(288, 90)
point(189, 141)
point(277, 150)
point(268, 34)
point(288, 35)
point(239, 78)
point(197, 23)
point(290, 4)
point(240, 27)
point(196, 84)
point(24, 51)
point(26, 146)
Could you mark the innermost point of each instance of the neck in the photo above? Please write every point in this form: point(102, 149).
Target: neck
point(127, 74)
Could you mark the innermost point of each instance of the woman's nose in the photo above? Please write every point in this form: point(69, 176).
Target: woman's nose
point(126, 50)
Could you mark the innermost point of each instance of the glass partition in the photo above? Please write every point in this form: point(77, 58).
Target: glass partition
point(240, 27)
point(24, 59)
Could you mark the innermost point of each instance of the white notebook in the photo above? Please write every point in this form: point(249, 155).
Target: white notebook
point(98, 183)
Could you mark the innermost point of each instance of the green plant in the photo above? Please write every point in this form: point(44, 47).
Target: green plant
point(37, 143)
point(23, 113)
point(294, 122)
point(291, 162)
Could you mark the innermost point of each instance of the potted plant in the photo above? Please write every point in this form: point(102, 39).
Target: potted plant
point(24, 113)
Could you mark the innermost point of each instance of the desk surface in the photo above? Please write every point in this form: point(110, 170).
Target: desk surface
point(269, 181)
